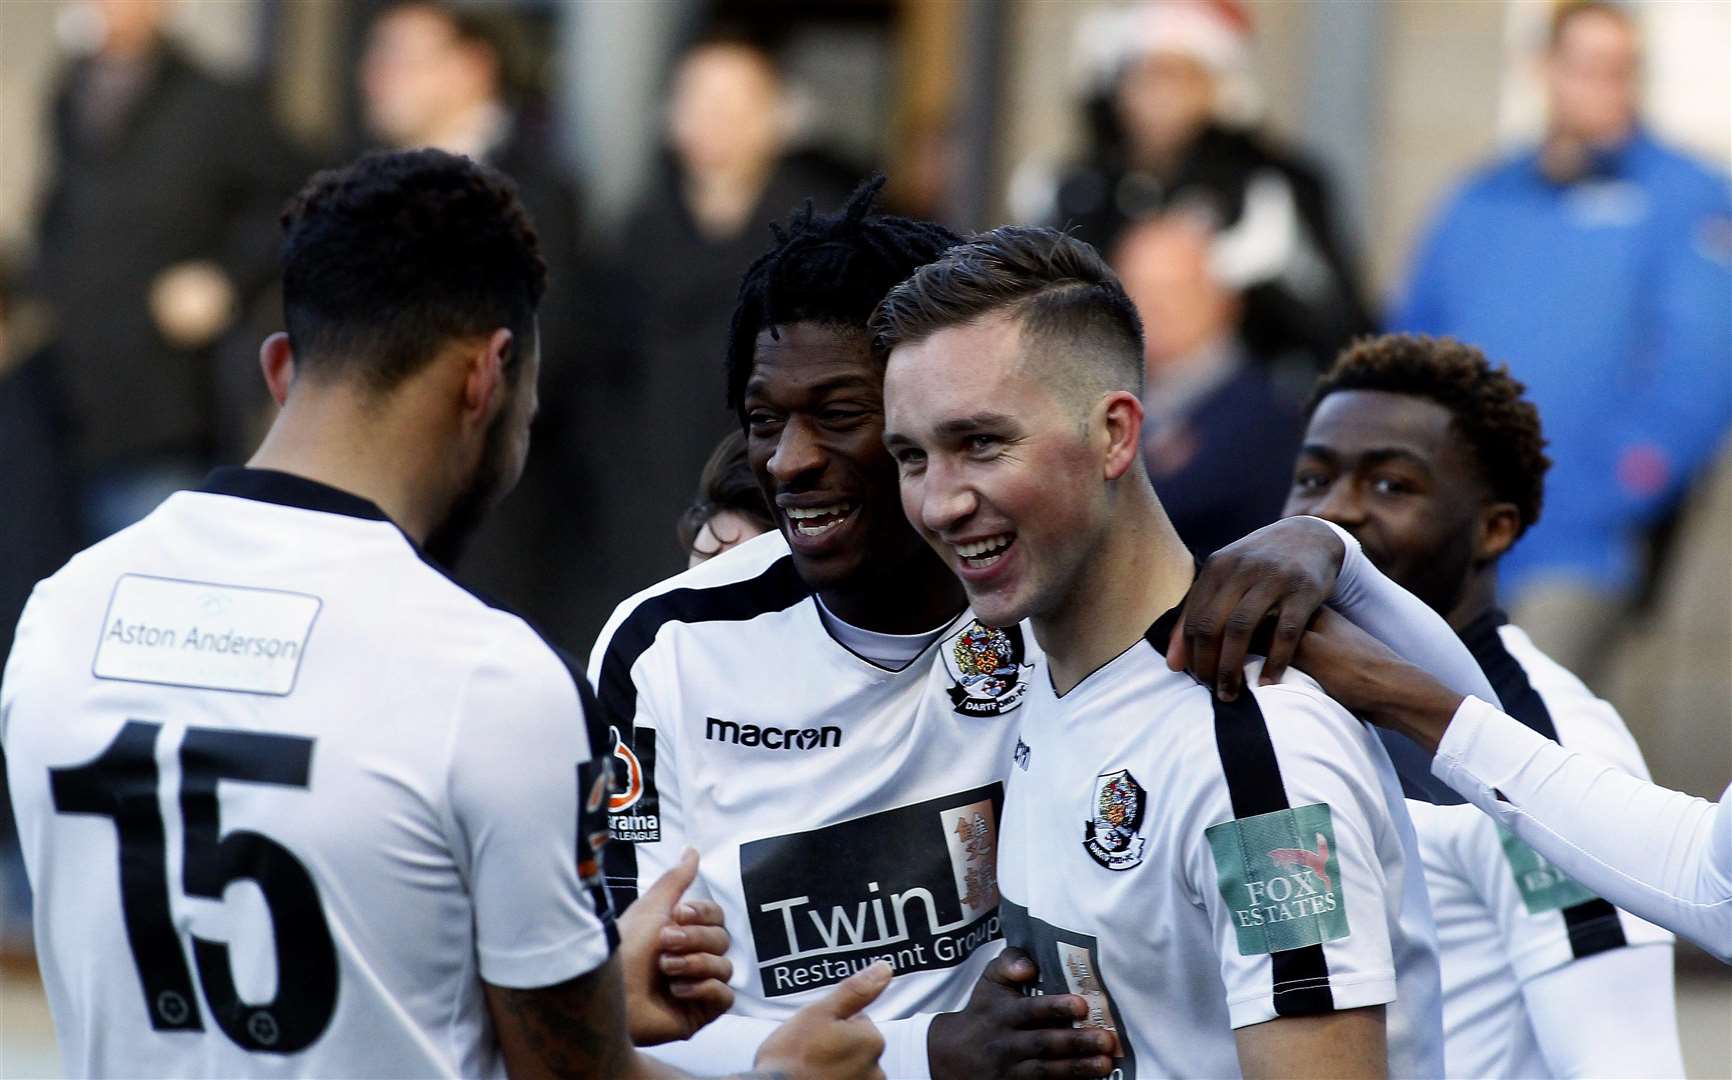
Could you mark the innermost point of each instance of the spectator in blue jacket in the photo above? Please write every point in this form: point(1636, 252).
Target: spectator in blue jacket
point(1598, 265)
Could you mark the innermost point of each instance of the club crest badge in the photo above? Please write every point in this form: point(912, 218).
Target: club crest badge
point(1112, 835)
point(987, 670)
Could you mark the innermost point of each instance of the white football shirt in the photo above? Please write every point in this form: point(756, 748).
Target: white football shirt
point(1191, 866)
point(288, 795)
point(845, 812)
point(1505, 916)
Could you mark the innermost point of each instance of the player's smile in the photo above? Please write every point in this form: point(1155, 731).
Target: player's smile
point(980, 560)
point(816, 528)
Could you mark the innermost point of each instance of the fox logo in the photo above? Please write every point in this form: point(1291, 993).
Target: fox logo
point(1315, 861)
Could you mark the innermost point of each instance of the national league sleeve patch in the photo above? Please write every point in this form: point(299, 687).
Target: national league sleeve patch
point(1543, 886)
point(1280, 877)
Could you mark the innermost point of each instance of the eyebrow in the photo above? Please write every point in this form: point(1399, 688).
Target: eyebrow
point(1375, 456)
point(963, 425)
point(825, 386)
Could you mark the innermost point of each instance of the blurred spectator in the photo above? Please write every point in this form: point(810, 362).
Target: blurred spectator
point(436, 74)
point(1596, 264)
point(159, 226)
point(729, 508)
point(1217, 437)
point(726, 176)
point(1171, 101)
point(38, 532)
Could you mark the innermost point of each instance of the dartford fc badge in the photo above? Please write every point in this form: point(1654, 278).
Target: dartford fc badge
point(986, 669)
point(1112, 835)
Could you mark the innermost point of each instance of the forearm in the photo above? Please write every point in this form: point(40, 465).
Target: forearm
point(1403, 622)
point(1612, 1014)
point(1662, 855)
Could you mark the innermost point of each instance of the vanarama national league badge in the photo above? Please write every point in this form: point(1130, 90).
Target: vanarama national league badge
point(1112, 835)
point(986, 670)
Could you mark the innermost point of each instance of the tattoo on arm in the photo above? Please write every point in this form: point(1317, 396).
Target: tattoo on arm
point(574, 1030)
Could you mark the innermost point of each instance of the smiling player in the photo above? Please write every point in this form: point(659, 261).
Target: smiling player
point(1241, 871)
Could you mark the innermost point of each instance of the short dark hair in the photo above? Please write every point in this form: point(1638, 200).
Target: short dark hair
point(1500, 427)
point(390, 258)
point(727, 483)
point(831, 269)
point(1567, 13)
point(1058, 287)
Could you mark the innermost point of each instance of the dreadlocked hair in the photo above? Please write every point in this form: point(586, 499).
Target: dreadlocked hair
point(826, 268)
point(1485, 403)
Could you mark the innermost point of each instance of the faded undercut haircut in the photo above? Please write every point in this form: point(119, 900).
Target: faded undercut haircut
point(1069, 304)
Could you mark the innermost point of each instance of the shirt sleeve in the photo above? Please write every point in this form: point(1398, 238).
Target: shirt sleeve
point(646, 826)
point(1660, 854)
point(527, 801)
point(1291, 855)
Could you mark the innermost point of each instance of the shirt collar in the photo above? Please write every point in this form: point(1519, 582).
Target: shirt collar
point(287, 489)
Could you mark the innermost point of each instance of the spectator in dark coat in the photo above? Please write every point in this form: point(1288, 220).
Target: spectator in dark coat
point(1218, 438)
point(1171, 130)
point(159, 225)
point(439, 75)
point(726, 177)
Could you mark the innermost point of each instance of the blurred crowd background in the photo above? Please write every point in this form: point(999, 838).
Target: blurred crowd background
point(1270, 178)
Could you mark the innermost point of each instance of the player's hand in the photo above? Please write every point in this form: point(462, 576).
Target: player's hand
point(674, 957)
point(1280, 574)
point(829, 1039)
point(1003, 1033)
point(1366, 677)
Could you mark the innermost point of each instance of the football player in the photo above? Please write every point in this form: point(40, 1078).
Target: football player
point(1239, 868)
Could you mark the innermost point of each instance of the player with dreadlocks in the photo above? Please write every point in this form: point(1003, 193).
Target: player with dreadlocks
point(816, 712)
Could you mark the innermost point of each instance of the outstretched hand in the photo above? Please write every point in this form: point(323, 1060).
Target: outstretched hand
point(831, 1039)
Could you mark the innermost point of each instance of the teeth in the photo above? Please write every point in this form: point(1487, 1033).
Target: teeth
point(982, 547)
point(800, 514)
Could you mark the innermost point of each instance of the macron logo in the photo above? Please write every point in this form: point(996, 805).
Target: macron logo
point(771, 738)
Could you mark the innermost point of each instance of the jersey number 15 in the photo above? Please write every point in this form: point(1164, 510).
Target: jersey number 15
point(121, 785)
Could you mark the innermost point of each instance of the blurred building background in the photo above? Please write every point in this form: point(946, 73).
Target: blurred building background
point(1283, 164)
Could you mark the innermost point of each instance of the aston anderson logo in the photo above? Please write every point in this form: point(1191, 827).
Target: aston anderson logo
point(986, 669)
point(916, 886)
point(772, 738)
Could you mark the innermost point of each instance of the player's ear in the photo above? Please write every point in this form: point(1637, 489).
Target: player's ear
point(1124, 432)
point(484, 383)
point(277, 361)
point(1499, 525)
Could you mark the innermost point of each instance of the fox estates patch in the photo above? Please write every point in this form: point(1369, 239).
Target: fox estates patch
point(1543, 886)
point(1281, 879)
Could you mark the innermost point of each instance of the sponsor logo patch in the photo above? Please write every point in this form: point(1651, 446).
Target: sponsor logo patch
point(1543, 886)
point(1112, 836)
point(1281, 878)
point(1069, 963)
point(1021, 755)
point(204, 635)
point(987, 670)
point(916, 886)
point(772, 738)
point(634, 809)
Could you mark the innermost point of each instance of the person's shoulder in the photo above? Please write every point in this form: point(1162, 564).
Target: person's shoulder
point(1583, 720)
point(1678, 168)
point(754, 578)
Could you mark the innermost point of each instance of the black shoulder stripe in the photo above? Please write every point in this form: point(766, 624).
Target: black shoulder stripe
point(776, 589)
point(1593, 925)
point(1299, 977)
